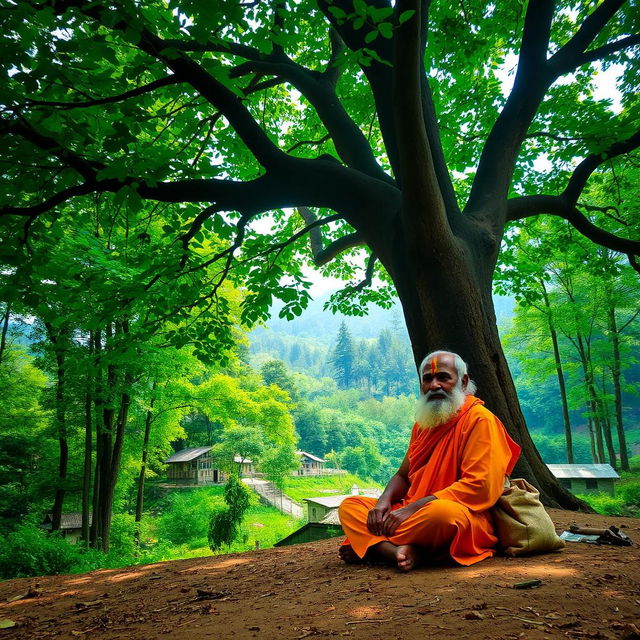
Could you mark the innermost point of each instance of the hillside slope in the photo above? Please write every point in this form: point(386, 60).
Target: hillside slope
point(304, 592)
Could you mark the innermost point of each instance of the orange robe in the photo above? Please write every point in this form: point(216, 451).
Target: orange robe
point(463, 464)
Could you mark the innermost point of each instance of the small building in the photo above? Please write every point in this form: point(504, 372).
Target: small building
point(70, 525)
point(193, 466)
point(247, 469)
point(319, 508)
point(586, 478)
point(310, 465)
point(328, 527)
point(196, 466)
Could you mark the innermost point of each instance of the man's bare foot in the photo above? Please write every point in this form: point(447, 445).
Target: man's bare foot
point(407, 557)
point(348, 555)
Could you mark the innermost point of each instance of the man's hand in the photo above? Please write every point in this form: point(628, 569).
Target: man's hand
point(376, 518)
point(395, 518)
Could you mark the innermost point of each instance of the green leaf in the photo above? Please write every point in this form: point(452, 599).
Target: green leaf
point(405, 15)
point(370, 37)
point(386, 30)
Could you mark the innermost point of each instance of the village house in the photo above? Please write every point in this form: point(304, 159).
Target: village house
point(70, 525)
point(586, 478)
point(310, 465)
point(196, 466)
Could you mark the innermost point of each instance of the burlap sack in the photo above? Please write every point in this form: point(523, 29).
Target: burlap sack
point(522, 524)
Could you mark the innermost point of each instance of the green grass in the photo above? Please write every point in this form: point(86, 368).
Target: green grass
point(301, 487)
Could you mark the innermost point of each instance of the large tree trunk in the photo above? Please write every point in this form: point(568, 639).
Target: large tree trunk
point(446, 299)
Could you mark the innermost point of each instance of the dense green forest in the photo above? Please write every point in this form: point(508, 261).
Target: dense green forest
point(173, 172)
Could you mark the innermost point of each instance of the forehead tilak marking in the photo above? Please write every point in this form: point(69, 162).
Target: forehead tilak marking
point(434, 365)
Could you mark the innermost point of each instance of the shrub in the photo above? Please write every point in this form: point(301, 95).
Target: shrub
point(605, 504)
point(225, 523)
point(186, 517)
point(630, 493)
point(30, 551)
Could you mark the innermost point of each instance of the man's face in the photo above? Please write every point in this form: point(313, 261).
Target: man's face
point(439, 378)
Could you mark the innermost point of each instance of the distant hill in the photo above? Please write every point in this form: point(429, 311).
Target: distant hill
point(322, 326)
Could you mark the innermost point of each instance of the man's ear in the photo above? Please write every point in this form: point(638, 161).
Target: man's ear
point(465, 382)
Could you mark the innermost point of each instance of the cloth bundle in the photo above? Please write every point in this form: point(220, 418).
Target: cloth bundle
point(522, 524)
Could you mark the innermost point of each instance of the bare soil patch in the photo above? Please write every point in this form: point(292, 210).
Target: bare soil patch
point(304, 591)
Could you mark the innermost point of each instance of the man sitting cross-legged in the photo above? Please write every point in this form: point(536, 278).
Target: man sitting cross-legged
point(452, 474)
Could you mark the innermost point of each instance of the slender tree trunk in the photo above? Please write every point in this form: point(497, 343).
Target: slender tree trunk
point(592, 396)
point(58, 341)
point(592, 440)
point(106, 445)
point(606, 424)
point(143, 465)
point(617, 389)
point(5, 329)
point(88, 450)
point(98, 412)
point(560, 375)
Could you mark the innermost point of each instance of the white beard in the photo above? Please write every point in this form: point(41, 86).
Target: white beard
point(432, 413)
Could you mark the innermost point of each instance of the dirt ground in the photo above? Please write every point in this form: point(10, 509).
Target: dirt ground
point(304, 591)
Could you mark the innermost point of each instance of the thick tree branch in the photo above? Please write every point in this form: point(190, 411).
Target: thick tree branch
point(584, 170)
point(23, 128)
point(529, 206)
point(568, 57)
point(352, 146)
point(147, 88)
point(322, 255)
point(608, 49)
point(204, 82)
point(497, 161)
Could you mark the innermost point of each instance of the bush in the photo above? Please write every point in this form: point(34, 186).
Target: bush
point(30, 551)
point(186, 517)
point(225, 523)
point(605, 504)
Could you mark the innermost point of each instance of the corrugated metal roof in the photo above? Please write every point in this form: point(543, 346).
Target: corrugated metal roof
point(328, 501)
point(71, 520)
point(331, 518)
point(583, 471)
point(310, 456)
point(188, 454)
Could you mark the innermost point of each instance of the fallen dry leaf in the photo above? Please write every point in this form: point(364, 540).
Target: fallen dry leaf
point(473, 615)
point(31, 593)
